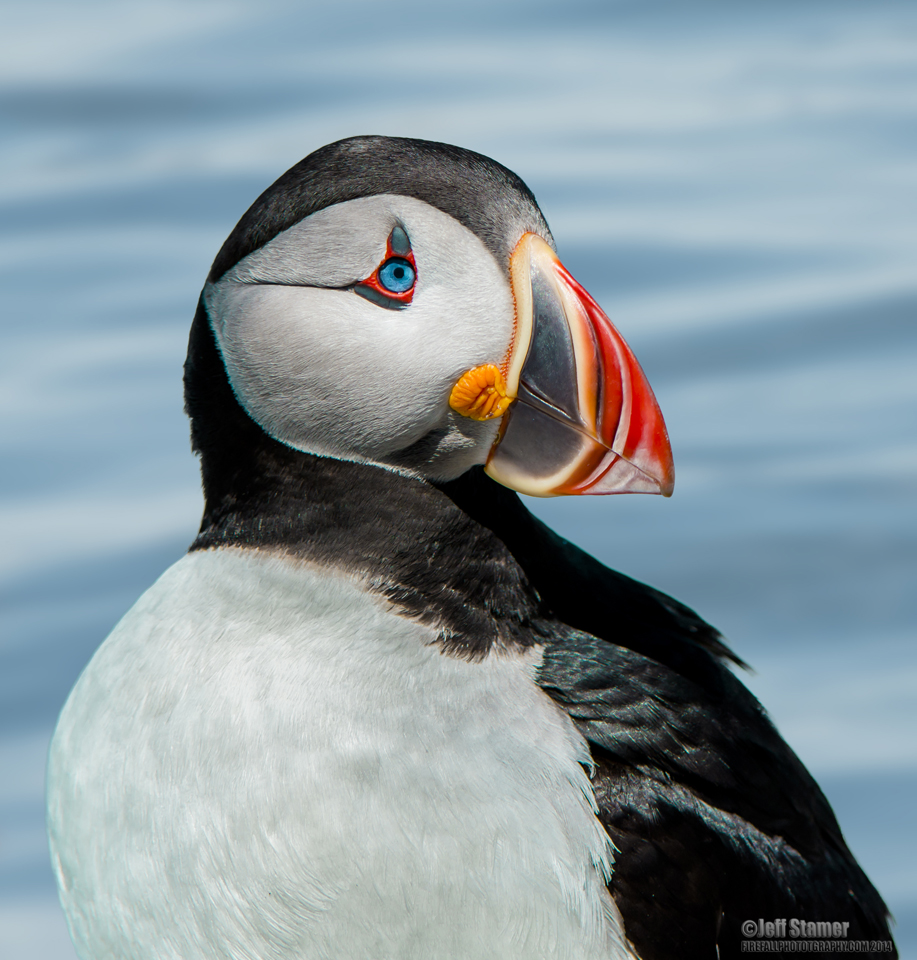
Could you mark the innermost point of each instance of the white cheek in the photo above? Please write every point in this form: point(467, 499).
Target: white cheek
point(329, 372)
point(305, 363)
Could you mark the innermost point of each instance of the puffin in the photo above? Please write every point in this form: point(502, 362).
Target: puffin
point(379, 710)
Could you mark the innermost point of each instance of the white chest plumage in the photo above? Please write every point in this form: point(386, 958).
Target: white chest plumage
point(265, 761)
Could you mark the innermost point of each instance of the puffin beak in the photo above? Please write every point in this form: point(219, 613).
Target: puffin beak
point(580, 416)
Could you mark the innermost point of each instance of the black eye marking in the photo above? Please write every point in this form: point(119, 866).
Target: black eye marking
point(398, 242)
point(379, 299)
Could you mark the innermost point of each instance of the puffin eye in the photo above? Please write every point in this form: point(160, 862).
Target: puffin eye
point(392, 283)
point(396, 275)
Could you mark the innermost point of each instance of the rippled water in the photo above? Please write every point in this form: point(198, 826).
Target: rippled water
point(735, 183)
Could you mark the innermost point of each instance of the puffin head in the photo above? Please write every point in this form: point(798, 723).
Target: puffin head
point(400, 303)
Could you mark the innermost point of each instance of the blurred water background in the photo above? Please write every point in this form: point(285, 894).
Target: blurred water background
point(735, 182)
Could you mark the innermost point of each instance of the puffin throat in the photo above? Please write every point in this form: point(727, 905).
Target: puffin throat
point(401, 536)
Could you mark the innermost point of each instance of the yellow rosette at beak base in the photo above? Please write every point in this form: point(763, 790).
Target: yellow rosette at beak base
point(480, 393)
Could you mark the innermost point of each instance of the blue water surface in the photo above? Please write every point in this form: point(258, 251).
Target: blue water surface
point(736, 183)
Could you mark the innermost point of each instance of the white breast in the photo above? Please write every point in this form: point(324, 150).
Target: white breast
point(265, 761)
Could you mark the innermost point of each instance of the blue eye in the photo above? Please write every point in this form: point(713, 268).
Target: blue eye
point(396, 275)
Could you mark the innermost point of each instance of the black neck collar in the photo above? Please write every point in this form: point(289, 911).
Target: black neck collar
point(406, 538)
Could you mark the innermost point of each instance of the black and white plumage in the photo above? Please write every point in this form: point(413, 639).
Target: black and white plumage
point(380, 709)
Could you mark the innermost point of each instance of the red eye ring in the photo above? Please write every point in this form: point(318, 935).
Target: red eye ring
point(397, 247)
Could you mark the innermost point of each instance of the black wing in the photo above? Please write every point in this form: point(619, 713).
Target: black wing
point(715, 819)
